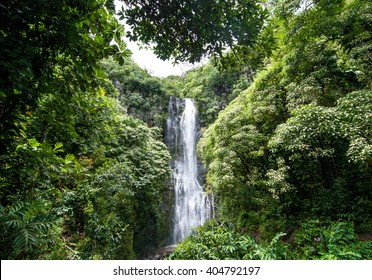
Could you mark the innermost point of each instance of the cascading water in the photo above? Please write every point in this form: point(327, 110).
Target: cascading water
point(192, 207)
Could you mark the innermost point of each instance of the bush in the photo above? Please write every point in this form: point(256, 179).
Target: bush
point(321, 240)
point(215, 241)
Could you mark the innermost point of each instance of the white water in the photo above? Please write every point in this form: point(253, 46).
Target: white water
point(192, 207)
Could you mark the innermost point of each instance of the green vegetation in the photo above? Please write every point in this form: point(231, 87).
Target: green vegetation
point(312, 240)
point(292, 153)
point(223, 242)
point(144, 96)
point(49, 47)
point(285, 115)
point(79, 178)
point(89, 195)
point(188, 30)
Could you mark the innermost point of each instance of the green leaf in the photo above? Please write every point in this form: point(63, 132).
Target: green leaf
point(58, 146)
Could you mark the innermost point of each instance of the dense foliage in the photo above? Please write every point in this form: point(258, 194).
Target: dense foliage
point(145, 97)
point(286, 137)
point(89, 178)
point(223, 242)
point(312, 240)
point(295, 145)
point(79, 177)
point(51, 46)
point(291, 152)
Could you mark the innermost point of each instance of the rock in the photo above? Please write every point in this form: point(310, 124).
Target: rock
point(162, 252)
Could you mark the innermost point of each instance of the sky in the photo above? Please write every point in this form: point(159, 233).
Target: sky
point(146, 59)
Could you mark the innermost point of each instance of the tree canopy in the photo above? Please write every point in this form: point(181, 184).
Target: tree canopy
point(51, 46)
point(287, 147)
point(189, 30)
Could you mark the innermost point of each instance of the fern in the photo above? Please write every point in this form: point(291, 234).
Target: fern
point(26, 222)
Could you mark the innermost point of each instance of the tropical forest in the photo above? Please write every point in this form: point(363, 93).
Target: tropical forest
point(262, 150)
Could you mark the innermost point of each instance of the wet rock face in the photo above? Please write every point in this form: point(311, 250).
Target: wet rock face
point(173, 128)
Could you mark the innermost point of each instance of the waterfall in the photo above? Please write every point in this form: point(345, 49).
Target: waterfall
point(192, 207)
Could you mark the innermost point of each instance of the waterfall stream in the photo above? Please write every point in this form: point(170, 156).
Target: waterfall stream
point(192, 207)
